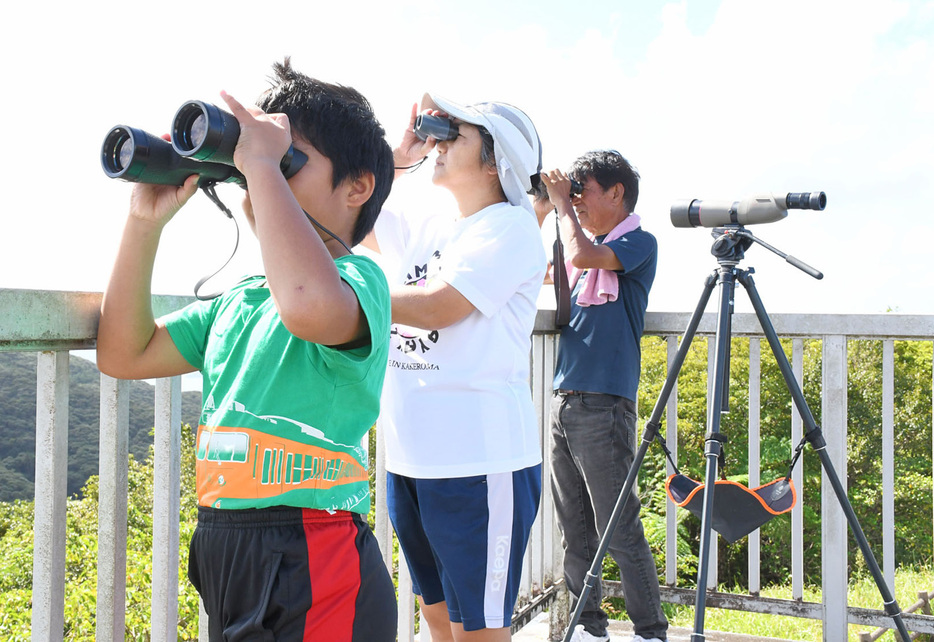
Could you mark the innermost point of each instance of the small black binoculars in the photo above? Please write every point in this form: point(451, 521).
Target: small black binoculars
point(438, 127)
point(204, 138)
point(576, 188)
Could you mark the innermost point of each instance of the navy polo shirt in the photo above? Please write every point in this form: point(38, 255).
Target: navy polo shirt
point(599, 350)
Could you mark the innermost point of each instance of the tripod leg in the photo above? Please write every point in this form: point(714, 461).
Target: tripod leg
point(594, 574)
point(713, 442)
point(816, 439)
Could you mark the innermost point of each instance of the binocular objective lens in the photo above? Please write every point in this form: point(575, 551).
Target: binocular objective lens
point(197, 131)
point(124, 154)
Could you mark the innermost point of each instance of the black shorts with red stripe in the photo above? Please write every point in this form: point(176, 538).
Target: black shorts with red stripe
point(291, 574)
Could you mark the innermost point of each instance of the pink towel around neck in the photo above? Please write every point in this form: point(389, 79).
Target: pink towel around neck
point(601, 286)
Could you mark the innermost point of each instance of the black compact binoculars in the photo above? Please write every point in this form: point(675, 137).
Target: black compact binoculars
point(441, 128)
point(204, 138)
point(438, 127)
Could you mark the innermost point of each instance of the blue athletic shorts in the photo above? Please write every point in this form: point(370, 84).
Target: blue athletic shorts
point(464, 540)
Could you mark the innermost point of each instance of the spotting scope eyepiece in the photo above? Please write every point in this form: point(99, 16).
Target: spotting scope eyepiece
point(137, 156)
point(806, 200)
point(205, 132)
point(763, 208)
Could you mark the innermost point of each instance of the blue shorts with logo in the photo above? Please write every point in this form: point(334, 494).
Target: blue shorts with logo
point(464, 540)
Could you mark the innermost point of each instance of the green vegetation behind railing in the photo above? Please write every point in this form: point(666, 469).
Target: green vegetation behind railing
point(913, 492)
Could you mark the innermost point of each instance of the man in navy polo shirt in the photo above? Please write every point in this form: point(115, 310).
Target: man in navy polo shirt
point(611, 266)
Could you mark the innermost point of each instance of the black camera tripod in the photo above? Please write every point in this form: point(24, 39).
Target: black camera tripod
point(729, 247)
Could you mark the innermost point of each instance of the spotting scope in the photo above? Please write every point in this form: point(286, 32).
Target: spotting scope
point(762, 208)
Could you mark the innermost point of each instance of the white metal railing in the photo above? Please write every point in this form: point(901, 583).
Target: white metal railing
point(54, 323)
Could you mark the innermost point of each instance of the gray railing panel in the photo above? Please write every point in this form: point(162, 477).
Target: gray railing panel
point(31, 321)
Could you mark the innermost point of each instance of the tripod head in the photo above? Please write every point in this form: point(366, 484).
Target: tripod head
point(731, 242)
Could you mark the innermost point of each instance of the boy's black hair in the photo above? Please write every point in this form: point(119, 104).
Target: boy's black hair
point(338, 122)
point(608, 167)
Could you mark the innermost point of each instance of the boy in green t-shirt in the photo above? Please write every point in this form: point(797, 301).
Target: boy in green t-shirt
point(293, 364)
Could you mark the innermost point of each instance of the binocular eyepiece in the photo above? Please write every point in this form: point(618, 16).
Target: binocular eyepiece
point(437, 127)
point(576, 188)
point(204, 138)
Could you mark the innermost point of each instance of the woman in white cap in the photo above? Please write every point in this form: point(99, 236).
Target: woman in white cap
point(461, 433)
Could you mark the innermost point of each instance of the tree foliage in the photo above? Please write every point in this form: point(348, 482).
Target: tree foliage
point(16, 542)
point(913, 485)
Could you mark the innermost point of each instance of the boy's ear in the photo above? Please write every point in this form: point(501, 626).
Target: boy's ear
point(360, 189)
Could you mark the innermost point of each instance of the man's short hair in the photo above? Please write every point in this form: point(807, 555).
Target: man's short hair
point(608, 167)
point(338, 122)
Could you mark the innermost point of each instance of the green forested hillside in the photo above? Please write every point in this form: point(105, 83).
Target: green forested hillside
point(18, 422)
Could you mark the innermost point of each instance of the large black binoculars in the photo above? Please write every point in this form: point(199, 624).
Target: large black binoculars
point(203, 141)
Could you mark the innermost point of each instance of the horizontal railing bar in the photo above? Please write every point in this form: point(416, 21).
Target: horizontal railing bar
point(37, 320)
point(52, 320)
point(777, 606)
point(787, 325)
point(537, 605)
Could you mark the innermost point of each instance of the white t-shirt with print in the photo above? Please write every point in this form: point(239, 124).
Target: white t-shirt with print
point(457, 401)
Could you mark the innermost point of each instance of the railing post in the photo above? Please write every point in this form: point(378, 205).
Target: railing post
point(755, 363)
point(166, 495)
point(888, 462)
point(671, 441)
point(797, 478)
point(112, 509)
point(48, 562)
point(406, 623)
point(833, 521)
point(383, 528)
point(714, 563)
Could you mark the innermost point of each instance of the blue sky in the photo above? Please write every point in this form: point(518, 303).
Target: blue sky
point(717, 100)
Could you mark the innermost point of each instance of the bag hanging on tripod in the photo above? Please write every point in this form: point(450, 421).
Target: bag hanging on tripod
point(737, 510)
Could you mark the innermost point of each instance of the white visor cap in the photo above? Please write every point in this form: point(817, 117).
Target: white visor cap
point(516, 145)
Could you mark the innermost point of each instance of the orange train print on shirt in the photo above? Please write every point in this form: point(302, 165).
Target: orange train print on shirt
point(240, 463)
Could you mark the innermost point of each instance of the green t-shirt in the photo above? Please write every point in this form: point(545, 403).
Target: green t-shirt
point(283, 420)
